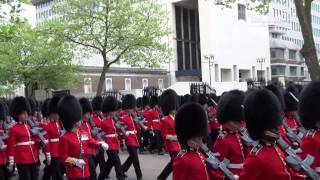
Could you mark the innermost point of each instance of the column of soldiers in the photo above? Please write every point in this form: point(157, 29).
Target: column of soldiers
point(259, 134)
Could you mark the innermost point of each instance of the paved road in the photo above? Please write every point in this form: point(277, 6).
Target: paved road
point(151, 166)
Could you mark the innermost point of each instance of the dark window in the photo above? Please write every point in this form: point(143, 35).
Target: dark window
point(178, 22)
point(241, 12)
point(277, 53)
point(292, 54)
point(180, 55)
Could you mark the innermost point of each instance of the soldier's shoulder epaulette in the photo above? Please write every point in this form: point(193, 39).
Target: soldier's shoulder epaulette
point(256, 149)
point(311, 133)
point(182, 153)
point(222, 134)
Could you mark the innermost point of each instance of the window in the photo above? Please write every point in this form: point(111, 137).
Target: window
point(87, 85)
point(292, 55)
point(302, 71)
point(278, 70)
point(108, 84)
point(293, 71)
point(160, 84)
point(241, 12)
point(127, 84)
point(277, 53)
point(144, 83)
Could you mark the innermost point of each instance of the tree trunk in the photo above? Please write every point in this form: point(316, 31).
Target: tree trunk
point(102, 75)
point(308, 50)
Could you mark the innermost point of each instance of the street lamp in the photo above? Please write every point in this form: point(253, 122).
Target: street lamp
point(261, 61)
point(210, 59)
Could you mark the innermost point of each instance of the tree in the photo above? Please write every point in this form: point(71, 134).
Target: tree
point(117, 30)
point(33, 58)
point(303, 11)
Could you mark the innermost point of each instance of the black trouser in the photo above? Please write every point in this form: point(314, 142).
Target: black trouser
point(113, 160)
point(28, 171)
point(157, 142)
point(92, 167)
point(168, 169)
point(4, 174)
point(132, 159)
point(99, 159)
point(146, 138)
point(214, 135)
point(55, 170)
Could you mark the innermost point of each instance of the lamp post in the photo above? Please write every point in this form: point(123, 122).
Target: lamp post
point(261, 61)
point(210, 59)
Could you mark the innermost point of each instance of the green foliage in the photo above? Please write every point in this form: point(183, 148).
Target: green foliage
point(33, 56)
point(116, 29)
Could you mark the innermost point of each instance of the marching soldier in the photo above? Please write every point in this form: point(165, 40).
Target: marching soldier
point(263, 114)
point(73, 145)
point(145, 135)
point(291, 105)
point(53, 129)
point(168, 104)
point(191, 127)
point(228, 145)
point(109, 107)
point(309, 112)
point(131, 141)
point(86, 127)
point(23, 147)
point(4, 174)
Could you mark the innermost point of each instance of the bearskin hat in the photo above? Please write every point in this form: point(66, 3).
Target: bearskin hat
point(211, 97)
point(290, 102)
point(168, 101)
point(186, 98)
point(85, 105)
point(145, 101)
point(278, 93)
point(53, 105)
point(190, 121)
point(139, 102)
point(44, 107)
point(262, 111)
point(153, 101)
point(3, 111)
point(128, 102)
point(33, 105)
point(70, 111)
point(309, 107)
point(202, 99)
point(194, 98)
point(97, 103)
point(299, 88)
point(109, 104)
point(19, 105)
point(230, 107)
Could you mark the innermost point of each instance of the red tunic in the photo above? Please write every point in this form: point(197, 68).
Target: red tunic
point(131, 131)
point(153, 119)
point(168, 128)
point(53, 130)
point(190, 165)
point(111, 135)
point(311, 145)
point(3, 155)
point(96, 119)
point(229, 146)
point(265, 163)
point(69, 146)
point(85, 127)
point(22, 146)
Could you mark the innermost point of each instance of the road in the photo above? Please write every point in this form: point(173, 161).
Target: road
point(151, 166)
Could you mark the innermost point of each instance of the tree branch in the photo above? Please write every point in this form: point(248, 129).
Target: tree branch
point(82, 43)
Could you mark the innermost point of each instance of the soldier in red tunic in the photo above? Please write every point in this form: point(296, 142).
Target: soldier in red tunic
point(4, 174)
point(228, 145)
point(54, 129)
point(73, 145)
point(97, 119)
point(109, 107)
point(309, 112)
point(263, 114)
point(191, 127)
point(129, 105)
point(86, 127)
point(168, 104)
point(23, 147)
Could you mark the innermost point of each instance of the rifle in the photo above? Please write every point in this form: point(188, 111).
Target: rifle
point(291, 134)
point(37, 131)
point(248, 141)
point(215, 164)
point(120, 125)
point(302, 131)
point(95, 132)
point(295, 162)
point(140, 121)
